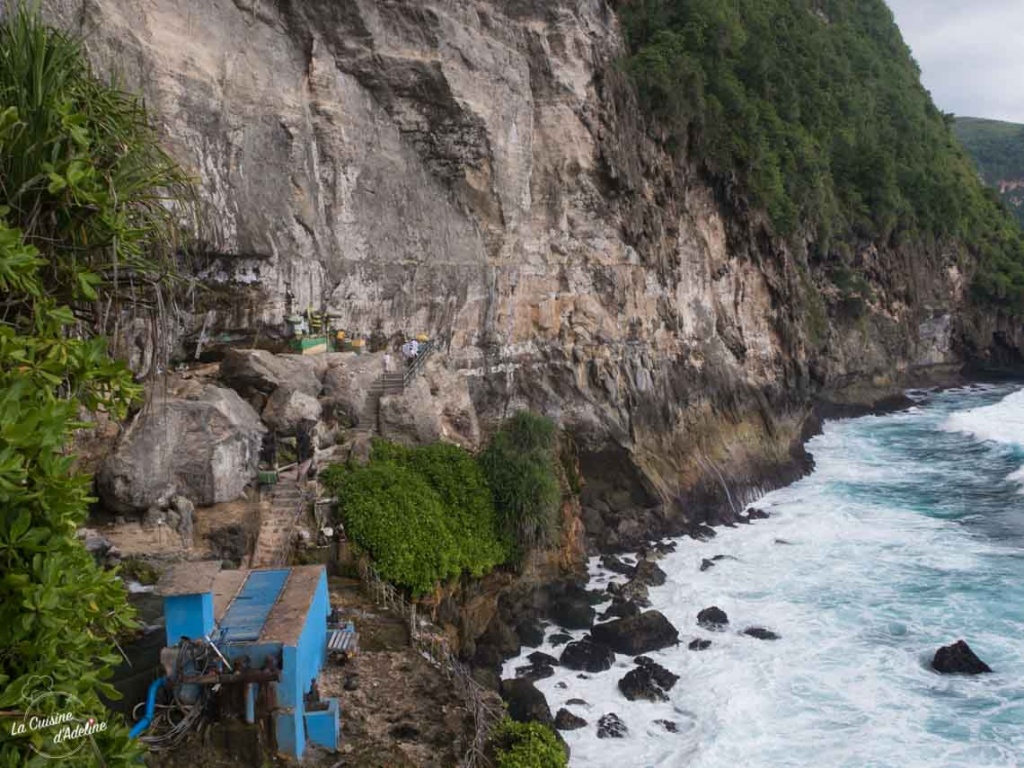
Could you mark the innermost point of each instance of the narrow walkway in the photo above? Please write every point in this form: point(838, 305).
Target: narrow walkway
point(390, 384)
point(277, 525)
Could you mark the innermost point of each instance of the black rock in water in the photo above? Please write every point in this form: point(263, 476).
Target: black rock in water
point(534, 672)
point(539, 657)
point(649, 631)
point(559, 638)
point(705, 564)
point(525, 703)
point(699, 645)
point(648, 572)
point(573, 609)
point(611, 727)
point(615, 565)
point(588, 656)
point(760, 633)
point(577, 703)
point(567, 721)
point(757, 514)
point(958, 659)
point(712, 618)
point(620, 609)
point(530, 632)
point(648, 681)
point(668, 725)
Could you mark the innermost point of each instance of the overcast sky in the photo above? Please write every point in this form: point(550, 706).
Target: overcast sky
point(971, 53)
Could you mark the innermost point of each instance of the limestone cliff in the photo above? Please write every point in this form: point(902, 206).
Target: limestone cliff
point(479, 170)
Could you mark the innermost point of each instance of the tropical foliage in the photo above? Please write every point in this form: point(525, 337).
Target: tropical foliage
point(814, 111)
point(527, 745)
point(998, 149)
point(83, 185)
point(425, 514)
point(520, 466)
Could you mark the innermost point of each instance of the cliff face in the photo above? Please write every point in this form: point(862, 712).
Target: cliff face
point(479, 170)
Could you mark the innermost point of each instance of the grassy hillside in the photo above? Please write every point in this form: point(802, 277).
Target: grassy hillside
point(816, 110)
point(998, 149)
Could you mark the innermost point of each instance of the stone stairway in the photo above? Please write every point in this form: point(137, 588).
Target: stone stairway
point(387, 384)
point(277, 524)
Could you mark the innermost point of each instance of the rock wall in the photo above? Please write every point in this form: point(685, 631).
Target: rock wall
point(479, 170)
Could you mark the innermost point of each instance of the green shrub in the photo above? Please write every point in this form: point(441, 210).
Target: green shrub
point(424, 514)
point(137, 569)
point(520, 466)
point(527, 745)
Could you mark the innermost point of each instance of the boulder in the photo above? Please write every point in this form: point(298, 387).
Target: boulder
point(539, 657)
point(649, 631)
point(587, 655)
point(958, 659)
point(567, 721)
point(530, 632)
point(525, 703)
point(669, 725)
point(648, 572)
point(412, 417)
point(712, 618)
point(632, 591)
point(760, 633)
point(620, 609)
point(559, 638)
point(577, 703)
point(699, 645)
point(615, 565)
point(757, 514)
point(705, 564)
point(573, 610)
point(648, 681)
point(610, 726)
point(249, 371)
point(286, 408)
point(534, 672)
point(204, 446)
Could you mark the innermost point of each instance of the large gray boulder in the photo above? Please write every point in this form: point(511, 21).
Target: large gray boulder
point(347, 384)
point(286, 408)
point(202, 444)
point(249, 371)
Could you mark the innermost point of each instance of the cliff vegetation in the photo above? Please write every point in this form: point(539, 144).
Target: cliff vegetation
point(813, 111)
point(998, 149)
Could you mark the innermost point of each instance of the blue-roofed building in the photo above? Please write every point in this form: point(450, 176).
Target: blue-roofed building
point(269, 631)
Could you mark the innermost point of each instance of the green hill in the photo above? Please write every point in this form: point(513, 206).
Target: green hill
point(814, 111)
point(998, 149)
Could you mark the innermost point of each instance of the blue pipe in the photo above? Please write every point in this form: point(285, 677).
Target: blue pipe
point(147, 718)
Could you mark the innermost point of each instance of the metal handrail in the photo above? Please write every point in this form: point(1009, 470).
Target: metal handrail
point(417, 362)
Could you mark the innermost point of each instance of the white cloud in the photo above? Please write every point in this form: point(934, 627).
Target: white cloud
point(971, 53)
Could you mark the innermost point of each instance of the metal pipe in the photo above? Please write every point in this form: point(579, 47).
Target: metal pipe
point(250, 703)
point(147, 718)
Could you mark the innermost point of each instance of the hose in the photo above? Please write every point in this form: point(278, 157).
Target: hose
point(147, 718)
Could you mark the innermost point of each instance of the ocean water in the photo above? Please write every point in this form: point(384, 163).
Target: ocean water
point(908, 535)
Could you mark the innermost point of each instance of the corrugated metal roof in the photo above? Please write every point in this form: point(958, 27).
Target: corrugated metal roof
point(248, 612)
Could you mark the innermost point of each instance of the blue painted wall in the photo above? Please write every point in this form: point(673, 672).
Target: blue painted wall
point(188, 616)
point(322, 726)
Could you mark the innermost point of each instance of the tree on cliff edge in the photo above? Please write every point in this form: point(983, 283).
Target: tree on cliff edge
point(83, 188)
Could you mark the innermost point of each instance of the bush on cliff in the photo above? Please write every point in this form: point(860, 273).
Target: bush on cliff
point(527, 745)
point(425, 514)
point(82, 188)
point(520, 465)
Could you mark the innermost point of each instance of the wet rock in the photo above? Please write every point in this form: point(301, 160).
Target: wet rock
point(712, 618)
point(705, 564)
point(620, 609)
point(588, 656)
point(611, 727)
point(577, 703)
point(760, 633)
point(784, 543)
point(534, 672)
point(703, 532)
point(567, 721)
point(525, 703)
point(648, 572)
point(615, 565)
point(203, 445)
point(958, 659)
point(530, 632)
point(559, 638)
point(757, 514)
point(669, 725)
point(632, 591)
point(539, 657)
point(648, 681)
point(573, 610)
point(561, 685)
point(699, 645)
point(649, 631)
